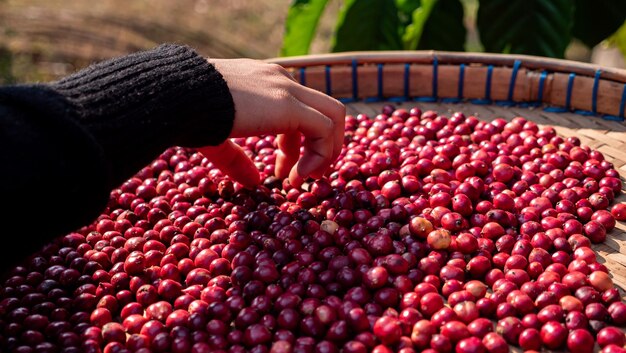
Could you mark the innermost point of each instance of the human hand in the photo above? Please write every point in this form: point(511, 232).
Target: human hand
point(269, 101)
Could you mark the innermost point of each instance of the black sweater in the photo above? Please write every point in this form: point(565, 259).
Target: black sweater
point(65, 145)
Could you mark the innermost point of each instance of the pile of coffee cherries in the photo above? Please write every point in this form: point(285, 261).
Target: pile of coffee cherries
point(431, 233)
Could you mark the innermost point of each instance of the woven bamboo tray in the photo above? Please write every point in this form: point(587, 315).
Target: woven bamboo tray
point(577, 99)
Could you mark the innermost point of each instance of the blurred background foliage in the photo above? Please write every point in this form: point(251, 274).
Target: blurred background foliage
point(42, 40)
point(533, 27)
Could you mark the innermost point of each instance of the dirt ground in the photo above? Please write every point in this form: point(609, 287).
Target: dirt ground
point(45, 39)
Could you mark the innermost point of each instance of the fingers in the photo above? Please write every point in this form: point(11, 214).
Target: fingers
point(315, 159)
point(323, 103)
point(287, 153)
point(269, 100)
point(321, 119)
point(319, 135)
point(233, 161)
point(328, 106)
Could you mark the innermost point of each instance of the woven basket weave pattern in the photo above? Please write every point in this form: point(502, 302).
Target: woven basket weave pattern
point(558, 85)
point(576, 99)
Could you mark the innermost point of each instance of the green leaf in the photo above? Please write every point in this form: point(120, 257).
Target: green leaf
point(444, 28)
point(367, 25)
point(533, 27)
point(300, 26)
point(414, 30)
point(619, 39)
point(405, 10)
point(407, 6)
point(595, 20)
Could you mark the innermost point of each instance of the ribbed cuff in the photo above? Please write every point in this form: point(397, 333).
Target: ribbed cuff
point(170, 91)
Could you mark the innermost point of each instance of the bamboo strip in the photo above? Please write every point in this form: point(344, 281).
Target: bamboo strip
point(428, 57)
point(479, 82)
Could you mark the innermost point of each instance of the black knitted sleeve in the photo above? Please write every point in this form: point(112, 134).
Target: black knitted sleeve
point(65, 145)
point(140, 104)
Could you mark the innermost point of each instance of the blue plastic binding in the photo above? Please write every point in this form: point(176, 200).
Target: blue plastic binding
point(612, 118)
point(570, 86)
point(542, 83)
point(461, 80)
point(594, 97)
point(459, 97)
point(329, 90)
point(568, 97)
point(487, 98)
point(407, 80)
point(380, 81)
point(405, 96)
point(303, 76)
point(509, 100)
